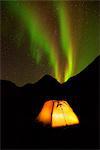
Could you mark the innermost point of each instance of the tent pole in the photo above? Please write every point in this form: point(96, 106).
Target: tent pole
point(52, 113)
point(63, 114)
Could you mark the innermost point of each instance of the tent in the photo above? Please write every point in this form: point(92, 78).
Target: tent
point(57, 113)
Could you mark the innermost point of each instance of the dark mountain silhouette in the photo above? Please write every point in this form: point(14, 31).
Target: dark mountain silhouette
point(20, 105)
point(45, 86)
point(47, 79)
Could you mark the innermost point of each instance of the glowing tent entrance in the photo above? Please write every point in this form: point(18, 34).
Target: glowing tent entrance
point(57, 114)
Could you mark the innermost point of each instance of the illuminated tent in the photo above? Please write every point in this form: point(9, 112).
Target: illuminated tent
point(57, 113)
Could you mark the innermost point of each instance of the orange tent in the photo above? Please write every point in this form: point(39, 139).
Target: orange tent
point(57, 113)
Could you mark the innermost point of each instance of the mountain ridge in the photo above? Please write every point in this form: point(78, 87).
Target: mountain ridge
point(48, 78)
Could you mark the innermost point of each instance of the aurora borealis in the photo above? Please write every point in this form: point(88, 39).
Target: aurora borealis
point(59, 38)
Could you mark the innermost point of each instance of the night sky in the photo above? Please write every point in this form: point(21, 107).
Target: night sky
point(59, 38)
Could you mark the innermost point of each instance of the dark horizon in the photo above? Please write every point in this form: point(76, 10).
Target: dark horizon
point(48, 75)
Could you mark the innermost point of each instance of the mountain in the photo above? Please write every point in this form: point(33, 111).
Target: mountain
point(20, 104)
point(89, 73)
point(47, 85)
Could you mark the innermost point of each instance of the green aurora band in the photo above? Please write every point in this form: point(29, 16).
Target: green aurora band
point(65, 39)
point(39, 37)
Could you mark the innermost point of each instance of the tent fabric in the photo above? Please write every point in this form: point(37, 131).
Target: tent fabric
point(57, 113)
